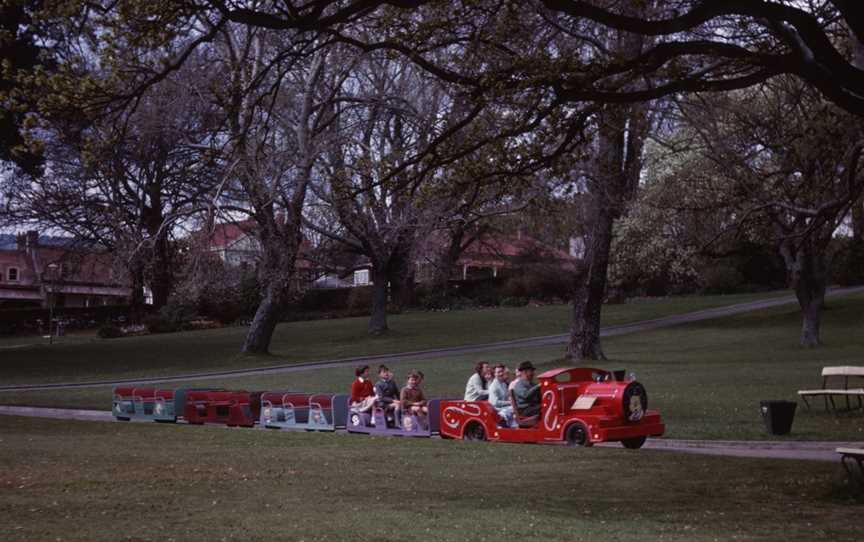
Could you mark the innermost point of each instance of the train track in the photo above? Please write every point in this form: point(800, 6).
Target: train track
point(793, 450)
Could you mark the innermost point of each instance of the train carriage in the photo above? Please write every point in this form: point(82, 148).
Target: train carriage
point(379, 422)
point(144, 403)
point(579, 406)
point(232, 408)
point(303, 411)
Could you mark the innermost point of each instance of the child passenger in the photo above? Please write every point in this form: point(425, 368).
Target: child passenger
point(413, 401)
point(386, 391)
point(362, 394)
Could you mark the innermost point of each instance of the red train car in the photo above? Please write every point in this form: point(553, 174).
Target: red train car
point(234, 408)
point(579, 406)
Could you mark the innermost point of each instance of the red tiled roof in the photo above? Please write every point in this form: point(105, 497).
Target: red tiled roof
point(500, 250)
point(227, 233)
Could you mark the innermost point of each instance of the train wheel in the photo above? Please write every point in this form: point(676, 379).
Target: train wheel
point(475, 432)
point(634, 443)
point(577, 436)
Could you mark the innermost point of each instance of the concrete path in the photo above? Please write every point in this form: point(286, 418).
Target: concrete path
point(764, 449)
point(797, 450)
point(530, 342)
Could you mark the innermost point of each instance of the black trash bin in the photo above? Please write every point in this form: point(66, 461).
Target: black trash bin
point(778, 416)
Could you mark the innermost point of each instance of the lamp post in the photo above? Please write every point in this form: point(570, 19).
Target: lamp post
point(49, 288)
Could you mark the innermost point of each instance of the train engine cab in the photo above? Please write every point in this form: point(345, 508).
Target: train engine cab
point(579, 406)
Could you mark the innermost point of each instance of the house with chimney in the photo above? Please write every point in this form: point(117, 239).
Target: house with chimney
point(37, 271)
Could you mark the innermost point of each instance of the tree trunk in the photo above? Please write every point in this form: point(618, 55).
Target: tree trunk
point(279, 243)
point(378, 320)
point(162, 282)
point(589, 290)
point(615, 175)
point(858, 222)
point(808, 276)
point(402, 280)
point(136, 300)
point(263, 325)
point(812, 311)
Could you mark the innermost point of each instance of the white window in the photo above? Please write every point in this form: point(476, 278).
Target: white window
point(13, 274)
point(361, 277)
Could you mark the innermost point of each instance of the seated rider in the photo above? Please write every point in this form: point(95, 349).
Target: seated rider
point(362, 394)
point(412, 399)
point(498, 394)
point(512, 383)
point(477, 387)
point(527, 393)
point(386, 391)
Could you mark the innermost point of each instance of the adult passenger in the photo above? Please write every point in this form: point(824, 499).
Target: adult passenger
point(515, 381)
point(477, 388)
point(527, 393)
point(362, 393)
point(498, 395)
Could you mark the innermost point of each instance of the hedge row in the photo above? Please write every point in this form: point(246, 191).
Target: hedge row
point(33, 320)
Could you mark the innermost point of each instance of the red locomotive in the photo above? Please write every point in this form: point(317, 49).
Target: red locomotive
point(579, 406)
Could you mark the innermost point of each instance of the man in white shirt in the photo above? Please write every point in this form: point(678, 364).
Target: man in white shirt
point(498, 395)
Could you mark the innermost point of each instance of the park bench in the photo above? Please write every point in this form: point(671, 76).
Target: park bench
point(831, 375)
point(853, 461)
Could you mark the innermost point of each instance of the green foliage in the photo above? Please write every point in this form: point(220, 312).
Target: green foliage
point(510, 301)
point(110, 332)
point(157, 323)
point(651, 251)
point(721, 278)
point(847, 269)
point(541, 282)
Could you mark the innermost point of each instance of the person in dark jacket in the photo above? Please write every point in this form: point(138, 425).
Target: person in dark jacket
point(526, 393)
point(386, 391)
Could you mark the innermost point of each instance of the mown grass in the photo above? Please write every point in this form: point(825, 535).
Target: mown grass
point(88, 358)
point(706, 378)
point(62, 480)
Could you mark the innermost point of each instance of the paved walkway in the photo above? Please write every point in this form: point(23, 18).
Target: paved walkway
point(547, 340)
point(797, 450)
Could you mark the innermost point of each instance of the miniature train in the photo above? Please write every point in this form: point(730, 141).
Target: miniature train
point(579, 407)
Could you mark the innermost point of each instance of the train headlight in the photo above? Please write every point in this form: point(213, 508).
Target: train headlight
point(635, 402)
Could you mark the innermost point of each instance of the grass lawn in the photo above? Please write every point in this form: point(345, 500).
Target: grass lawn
point(62, 480)
point(88, 358)
point(706, 378)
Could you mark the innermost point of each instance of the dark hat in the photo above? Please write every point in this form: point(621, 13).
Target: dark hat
point(526, 366)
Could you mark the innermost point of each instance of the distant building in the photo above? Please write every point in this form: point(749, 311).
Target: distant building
point(237, 246)
point(486, 257)
point(491, 254)
point(36, 271)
